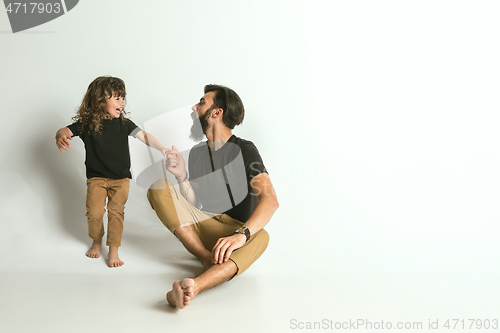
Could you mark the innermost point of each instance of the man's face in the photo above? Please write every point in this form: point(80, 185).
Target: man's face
point(204, 104)
point(201, 115)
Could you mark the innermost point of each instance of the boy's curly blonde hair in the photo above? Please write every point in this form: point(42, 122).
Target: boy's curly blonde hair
point(92, 111)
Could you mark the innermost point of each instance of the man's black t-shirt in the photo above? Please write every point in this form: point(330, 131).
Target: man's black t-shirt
point(223, 177)
point(107, 152)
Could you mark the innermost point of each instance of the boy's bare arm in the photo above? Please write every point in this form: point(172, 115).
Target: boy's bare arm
point(62, 139)
point(152, 142)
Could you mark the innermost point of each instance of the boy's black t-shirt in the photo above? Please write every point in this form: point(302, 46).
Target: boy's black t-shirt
point(223, 177)
point(107, 152)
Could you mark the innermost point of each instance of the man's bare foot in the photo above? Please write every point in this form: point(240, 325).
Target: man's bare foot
point(95, 249)
point(181, 293)
point(114, 260)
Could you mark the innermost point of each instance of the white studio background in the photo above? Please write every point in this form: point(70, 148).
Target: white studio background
point(406, 102)
point(378, 122)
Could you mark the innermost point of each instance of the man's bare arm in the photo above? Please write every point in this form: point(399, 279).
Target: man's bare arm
point(186, 188)
point(266, 207)
point(176, 165)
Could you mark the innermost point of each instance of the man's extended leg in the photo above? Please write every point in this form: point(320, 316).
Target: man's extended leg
point(183, 291)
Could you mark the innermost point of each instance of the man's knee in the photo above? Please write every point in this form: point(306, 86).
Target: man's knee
point(263, 237)
point(160, 184)
point(159, 192)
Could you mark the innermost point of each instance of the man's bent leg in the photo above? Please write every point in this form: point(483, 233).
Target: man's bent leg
point(224, 225)
point(178, 216)
point(160, 199)
point(245, 256)
point(183, 291)
point(191, 241)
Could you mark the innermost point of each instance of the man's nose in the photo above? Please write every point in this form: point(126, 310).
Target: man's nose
point(194, 107)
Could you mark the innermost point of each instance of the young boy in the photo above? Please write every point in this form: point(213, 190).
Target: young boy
point(101, 124)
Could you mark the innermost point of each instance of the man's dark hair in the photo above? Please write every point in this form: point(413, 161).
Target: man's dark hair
point(229, 101)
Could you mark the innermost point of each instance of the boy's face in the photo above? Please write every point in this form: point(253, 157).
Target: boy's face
point(115, 105)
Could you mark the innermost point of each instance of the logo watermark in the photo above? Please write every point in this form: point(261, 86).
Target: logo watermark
point(365, 324)
point(24, 15)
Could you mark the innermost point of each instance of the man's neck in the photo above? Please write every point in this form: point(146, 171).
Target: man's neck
point(217, 136)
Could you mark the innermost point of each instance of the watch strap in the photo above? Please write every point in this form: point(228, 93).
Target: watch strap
point(245, 231)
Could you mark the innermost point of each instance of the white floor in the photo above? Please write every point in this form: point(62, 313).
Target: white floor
point(266, 299)
point(307, 275)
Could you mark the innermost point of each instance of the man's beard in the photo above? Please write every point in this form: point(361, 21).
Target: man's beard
point(200, 126)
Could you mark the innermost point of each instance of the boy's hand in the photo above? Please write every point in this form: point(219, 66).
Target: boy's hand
point(63, 143)
point(175, 163)
point(165, 151)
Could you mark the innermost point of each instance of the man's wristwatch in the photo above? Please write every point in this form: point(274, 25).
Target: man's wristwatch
point(243, 230)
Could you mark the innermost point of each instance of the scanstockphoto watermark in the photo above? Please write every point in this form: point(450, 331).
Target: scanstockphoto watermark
point(24, 15)
point(354, 324)
point(366, 324)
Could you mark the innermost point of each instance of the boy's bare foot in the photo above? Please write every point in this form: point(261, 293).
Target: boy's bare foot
point(181, 293)
point(95, 249)
point(114, 260)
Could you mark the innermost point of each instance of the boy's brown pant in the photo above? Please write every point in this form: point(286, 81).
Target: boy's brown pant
point(116, 190)
point(174, 211)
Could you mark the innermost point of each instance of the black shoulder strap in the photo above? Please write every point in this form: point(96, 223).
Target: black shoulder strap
point(223, 173)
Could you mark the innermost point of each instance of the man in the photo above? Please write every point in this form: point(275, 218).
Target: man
point(223, 203)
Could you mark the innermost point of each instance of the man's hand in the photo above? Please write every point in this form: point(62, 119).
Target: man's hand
point(175, 163)
point(225, 246)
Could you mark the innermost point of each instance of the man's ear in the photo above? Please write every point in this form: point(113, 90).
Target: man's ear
point(218, 113)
